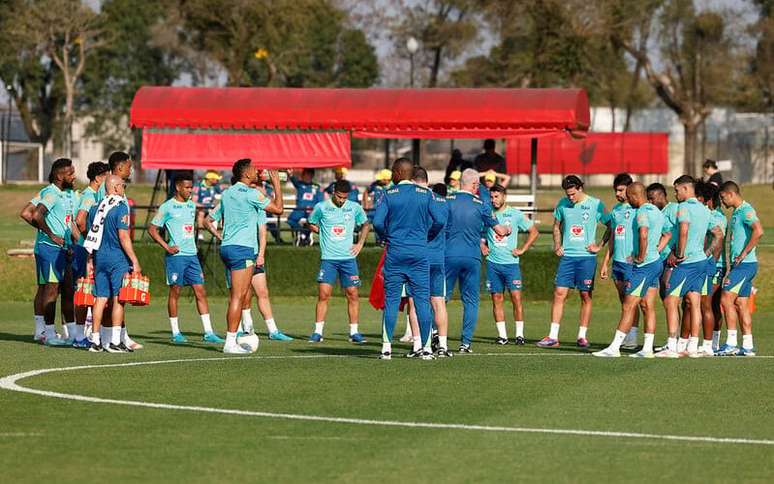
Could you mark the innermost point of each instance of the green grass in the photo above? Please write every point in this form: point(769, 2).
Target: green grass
point(44, 438)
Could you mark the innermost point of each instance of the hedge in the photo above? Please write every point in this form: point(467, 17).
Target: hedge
point(292, 271)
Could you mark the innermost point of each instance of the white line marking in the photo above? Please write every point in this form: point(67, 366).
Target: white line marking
point(19, 434)
point(10, 383)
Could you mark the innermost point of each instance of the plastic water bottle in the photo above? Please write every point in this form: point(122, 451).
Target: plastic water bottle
point(89, 322)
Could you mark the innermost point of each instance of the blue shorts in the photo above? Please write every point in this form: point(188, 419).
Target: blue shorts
point(80, 256)
point(256, 270)
point(500, 277)
point(739, 279)
point(108, 277)
point(237, 257)
point(576, 273)
point(183, 270)
point(687, 278)
point(714, 273)
point(622, 271)
point(345, 270)
point(50, 264)
point(643, 278)
point(437, 280)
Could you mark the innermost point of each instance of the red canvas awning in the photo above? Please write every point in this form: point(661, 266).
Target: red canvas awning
point(267, 150)
point(388, 113)
point(637, 153)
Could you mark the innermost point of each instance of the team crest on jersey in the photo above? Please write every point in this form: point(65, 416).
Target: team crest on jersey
point(585, 216)
point(627, 214)
point(308, 196)
point(347, 217)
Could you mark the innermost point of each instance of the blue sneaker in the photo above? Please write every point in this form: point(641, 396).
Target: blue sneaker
point(82, 343)
point(57, 342)
point(746, 352)
point(280, 336)
point(178, 338)
point(315, 338)
point(357, 338)
point(212, 338)
point(727, 350)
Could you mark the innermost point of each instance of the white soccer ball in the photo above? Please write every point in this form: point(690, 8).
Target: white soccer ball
point(250, 341)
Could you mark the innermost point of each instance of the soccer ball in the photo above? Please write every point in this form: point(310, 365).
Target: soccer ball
point(250, 341)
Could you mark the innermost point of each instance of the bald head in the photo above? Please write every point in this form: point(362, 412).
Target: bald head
point(402, 169)
point(636, 194)
point(114, 185)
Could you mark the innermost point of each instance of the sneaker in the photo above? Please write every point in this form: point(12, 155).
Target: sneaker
point(702, 352)
point(443, 353)
point(426, 355)
point(212, 338)
point(435, 342)
point(607, 353)
point(57, 342)
point(111, 348)
point(235, 349)
point(280, 336)
point(125, 348)
point(315, 338)
point(658, 349)
point(501, 341)
point(548, 343)
point(582, 343)
point(629, 343)
point(727, 350)
point(465, 348)
point(40, 338)
point(95, 348)
point(357, 338)
point(520, 341)
point(746, 352)
point(414, 354)
point(82, 343)
point(406, 338)
point(178, 338)
point(132, 344)
point(667, 353)
point(642, 354)
point(386, 355)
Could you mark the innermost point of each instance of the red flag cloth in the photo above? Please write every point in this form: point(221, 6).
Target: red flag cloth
point(376, 298)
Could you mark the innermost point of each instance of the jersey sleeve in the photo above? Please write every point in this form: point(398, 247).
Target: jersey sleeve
point(360, 215)
point(523, 222)
point(316, 215)
point(48, 199)
point(683, 216)
point(86, 203)
point(122, 216)
point(258, 199)
point(558, 212)
point(487, 216)
point(603, 216)
point(161, 217)
point(642, 219)
point(750, 216)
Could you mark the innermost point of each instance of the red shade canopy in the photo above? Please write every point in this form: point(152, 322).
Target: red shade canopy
point(389, 113)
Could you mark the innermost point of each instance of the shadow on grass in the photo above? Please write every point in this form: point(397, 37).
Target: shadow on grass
point(358, 351)
point(22, 338)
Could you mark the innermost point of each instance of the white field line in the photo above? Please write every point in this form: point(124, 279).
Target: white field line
point(10, 383)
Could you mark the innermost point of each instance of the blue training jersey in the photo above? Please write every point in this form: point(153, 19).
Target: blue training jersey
point(110, 250)
point(468, 217)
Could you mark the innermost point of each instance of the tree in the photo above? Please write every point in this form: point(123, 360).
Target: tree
point(65, 31)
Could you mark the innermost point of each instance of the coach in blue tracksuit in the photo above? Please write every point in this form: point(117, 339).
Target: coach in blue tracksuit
point(468, 217)
point(407, 216)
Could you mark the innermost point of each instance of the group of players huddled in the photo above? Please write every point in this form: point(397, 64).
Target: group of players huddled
point(435, 238)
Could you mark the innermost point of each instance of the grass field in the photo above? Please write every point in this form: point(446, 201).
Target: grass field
point(296, 412)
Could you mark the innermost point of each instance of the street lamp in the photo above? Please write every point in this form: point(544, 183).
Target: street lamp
point(412, 45)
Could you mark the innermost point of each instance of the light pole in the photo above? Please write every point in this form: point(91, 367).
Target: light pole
point(412, 45)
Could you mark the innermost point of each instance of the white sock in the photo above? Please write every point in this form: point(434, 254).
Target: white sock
point(617, 340)
point(65, 332)
point(582, 331)
point(632, 334)
point(123, 335)
point(682, 344)
point(353, 329)
point(386, 347)
point(318, 327)
point(241, 328)
point(417, 343)
point(50, 331)
point(408, 327)
point(519, 329)
point(554, 333)
point(271, 326)
point(707, 345)
point(175, 326)
point(96, 337)
point(78, 332)
point(71, 331)
point(105, 334)
point(231, 339)
point(443, 342)
point(206, 323)
point(428, 346)
point(730, 337)
point(672, 344)
point(501, 329)
point(747, 341)
point(116, 336)
point(715, 339)
point(693, 344)
point(40, 325)
point(247, 321)
point(647, 345)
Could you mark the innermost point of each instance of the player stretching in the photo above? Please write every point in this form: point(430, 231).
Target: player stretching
point(746, 231)
point(177, 216)
point(502, 263)
point(575, 227)
point(620, 249)
point(240, 207)
point(335, 221)
point(643, 282)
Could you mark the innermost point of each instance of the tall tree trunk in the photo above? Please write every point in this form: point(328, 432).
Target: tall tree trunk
point(689, 163)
